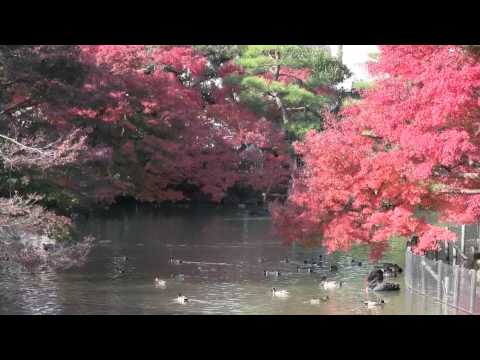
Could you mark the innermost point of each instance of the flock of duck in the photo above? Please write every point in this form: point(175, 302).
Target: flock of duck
point(375, 280)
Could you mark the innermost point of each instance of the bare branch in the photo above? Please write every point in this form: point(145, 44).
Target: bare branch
point(21, 145)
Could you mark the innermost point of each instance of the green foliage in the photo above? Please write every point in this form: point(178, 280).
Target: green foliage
point(285, 79)
point(363, 84)
point(300, 127)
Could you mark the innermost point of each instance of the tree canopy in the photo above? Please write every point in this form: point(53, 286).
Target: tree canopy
point(410, 146)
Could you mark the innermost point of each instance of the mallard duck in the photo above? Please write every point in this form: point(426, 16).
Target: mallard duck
point(271, 273)
point(305, 270)
point(356, 263)
point(328, 285)
point(317, 301)
point(48, 247)
point(175, 261)
point(160, 283)
point(279, 293)
point(181, 299)
point(259, 212)
point(375, 282)
point(385, 287)
point(372, 304)
point(180, 277)
point(392, 267)
point(389, 272)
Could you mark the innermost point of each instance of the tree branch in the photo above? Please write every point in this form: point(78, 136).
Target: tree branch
point(21, 145)
point(459, 191)
point(16, 106)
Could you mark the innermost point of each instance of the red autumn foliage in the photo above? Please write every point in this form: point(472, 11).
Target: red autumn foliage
point(147, 129)
point(411, 145)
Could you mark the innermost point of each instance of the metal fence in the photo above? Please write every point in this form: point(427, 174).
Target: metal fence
point(443, 275)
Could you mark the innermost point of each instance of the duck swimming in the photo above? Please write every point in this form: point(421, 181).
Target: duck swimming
point(175, 261)
point(305, 270)
point(271, 273)
point(259, 212)
point(316, 301)
point(372, 304)
point(181, 299)
point(279, 293)
point(160, 283)
point(356, 263)
point(392, 267)
point(180, 277)
point(389, 272)
point(329, 285)
point(333, 268)
point(375, 282)
point(285, 260)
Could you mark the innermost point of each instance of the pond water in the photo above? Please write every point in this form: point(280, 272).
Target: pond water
point(220, 249)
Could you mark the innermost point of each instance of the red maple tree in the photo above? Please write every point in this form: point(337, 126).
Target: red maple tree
point(148, 122)
point(409, 147)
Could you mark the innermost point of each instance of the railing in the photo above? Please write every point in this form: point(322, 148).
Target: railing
point(450, 284)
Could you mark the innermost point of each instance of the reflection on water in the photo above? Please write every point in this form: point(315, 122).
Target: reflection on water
point(220, 273)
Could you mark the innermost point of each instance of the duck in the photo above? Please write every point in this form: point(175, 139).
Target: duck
point(333, 268)
point(48, 247)
point(317, 301)
point(160, 283)
point(285, 260)
point(279, 293)
point(356, 263)
point(271, 273)
point(375, 282)
point(178, 277)
point(372, 304)
point(328, 285)
point(181, 299)
point(307, 270)
point(391, 266)
point(389, 272)
point(259, 212)
point(385, 287)
point(175, 261)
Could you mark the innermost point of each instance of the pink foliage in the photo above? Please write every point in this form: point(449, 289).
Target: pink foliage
point(411, 143)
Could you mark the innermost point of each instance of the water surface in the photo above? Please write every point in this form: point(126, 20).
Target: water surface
point(221, 271)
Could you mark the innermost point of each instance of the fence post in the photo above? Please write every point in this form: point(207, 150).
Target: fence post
point(422, 269)
point(447, 287)
point(454, 256)
point(447, 252)
point(456, 284)
point(439, 283)
point(462, 239)
point(473, 289)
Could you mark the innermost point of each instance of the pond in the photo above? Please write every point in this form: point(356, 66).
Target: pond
point(221, 272)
